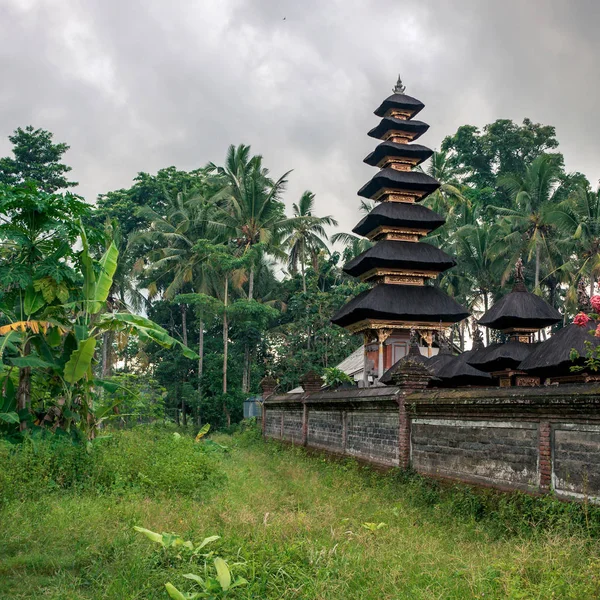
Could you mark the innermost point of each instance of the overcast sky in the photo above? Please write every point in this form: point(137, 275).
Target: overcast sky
point(137, 85)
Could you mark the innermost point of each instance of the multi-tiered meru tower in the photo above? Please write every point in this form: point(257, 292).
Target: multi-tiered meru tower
point(401, 267)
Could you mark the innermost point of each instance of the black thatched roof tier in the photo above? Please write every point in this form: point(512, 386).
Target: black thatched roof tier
point(520, 308)
point(552, 357)
point(401, 303)
point(400, 101)
point(399, 214)
point(412, 151)
point(454, 372)
point(414, 128)
point(448, 371)
point(399, 180)
point(394, 254)
point(499, 356)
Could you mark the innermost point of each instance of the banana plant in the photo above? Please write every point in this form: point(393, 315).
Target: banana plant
point(60, 338)
point(212, 588)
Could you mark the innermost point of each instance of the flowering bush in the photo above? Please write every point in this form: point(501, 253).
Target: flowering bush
point(581, 320)
point(595, 302)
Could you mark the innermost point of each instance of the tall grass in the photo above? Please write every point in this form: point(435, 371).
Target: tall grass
point(149, 459)
point(294, 525)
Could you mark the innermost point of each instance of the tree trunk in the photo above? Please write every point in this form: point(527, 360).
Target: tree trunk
point(225, 348)
point(591, 285)
point(104, 353)
point(246, 370)
point(538, 251)
point(251, 283)
point(183, 413)
point(246, 365)
point(225, 337)
point(184, 324)
point(200, 367)
point(487, 329)
point(302, 259)
point(24, 389)
point(107, 341)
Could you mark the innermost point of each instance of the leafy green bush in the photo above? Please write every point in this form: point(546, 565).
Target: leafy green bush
point(146, 458)
point(503, 514)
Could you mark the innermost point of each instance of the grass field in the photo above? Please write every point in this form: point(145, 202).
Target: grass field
point(294, 526)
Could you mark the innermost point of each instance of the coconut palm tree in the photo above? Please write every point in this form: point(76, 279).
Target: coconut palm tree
point(578, 219)
point(527, 227)
point(479, 267)
point(253, 212)
point(177, 261)
point(307, 235)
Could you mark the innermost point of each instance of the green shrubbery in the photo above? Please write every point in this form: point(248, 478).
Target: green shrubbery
point(501, 513)
point(151, 459)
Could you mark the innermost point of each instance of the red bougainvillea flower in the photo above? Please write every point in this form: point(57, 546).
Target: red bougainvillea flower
point(597, 334)
point(595, 301)
point(581, 320)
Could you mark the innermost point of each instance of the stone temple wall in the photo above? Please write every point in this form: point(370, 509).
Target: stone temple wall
point(533, 439)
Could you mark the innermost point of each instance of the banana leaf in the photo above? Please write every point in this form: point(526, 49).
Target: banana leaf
point(108, 266)
point(146, 329)
point(80, 361)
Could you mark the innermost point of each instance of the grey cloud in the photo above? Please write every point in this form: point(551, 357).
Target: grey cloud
point(134, 85)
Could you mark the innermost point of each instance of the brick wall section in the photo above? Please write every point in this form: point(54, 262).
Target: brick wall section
point(576, 458)
point(534, 439)
point(545, 456)
point(403, 434)
point(272, 423)
point(292, 425)
point(490, 452)
point(360, 423)
point(325, 429)
point(373, 435)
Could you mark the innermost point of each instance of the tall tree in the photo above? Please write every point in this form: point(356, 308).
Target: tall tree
point(307, 235)
point(254, 214)
point(35, 158)
point(578, 220)
point(178, 260)
point(480, 157)
point(528, 229)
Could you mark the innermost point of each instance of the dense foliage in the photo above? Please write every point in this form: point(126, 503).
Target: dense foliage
point(174, 297)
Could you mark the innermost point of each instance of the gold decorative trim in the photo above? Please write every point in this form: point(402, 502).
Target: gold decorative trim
point(374, 324)
point(399, 166)
point(381, 272)
point(388, 232)
point(398, 137)
point(399, 280)
point(399, 113)
point(389, 161)
point(398, 195)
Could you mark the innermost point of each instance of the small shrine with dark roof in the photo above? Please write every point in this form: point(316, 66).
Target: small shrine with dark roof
point(399, 265)
point(518, 314)
point(552, 360)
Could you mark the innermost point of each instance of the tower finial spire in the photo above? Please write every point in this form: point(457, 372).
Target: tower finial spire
point(399, 88)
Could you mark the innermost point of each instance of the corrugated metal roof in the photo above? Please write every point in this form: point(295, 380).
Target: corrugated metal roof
point(354, 363)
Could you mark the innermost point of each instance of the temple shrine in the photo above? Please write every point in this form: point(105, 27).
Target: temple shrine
point(400, 266)
point(518, 315)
